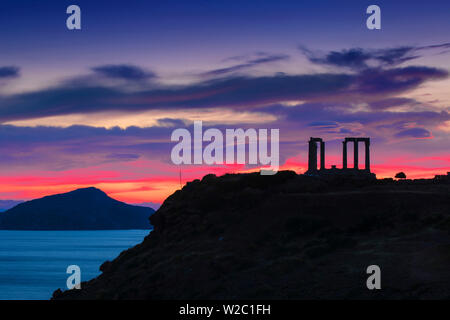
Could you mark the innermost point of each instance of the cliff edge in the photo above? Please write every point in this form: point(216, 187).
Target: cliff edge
point(287, 236)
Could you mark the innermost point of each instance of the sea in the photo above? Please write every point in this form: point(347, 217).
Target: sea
point(33, 264)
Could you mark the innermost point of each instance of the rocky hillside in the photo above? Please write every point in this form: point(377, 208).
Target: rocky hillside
point(287, 236)
point(81, 209)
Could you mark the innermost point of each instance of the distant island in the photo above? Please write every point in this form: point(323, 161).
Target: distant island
point(288, 236)
point(8, 204)
point(81, 209)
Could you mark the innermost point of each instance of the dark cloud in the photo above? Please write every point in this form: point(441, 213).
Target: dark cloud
point(388, 103)
point(229, 92)
point(435, 46)
point(353, 58)
point(320, 116)
point(414, 133)
point(394, 56)
point(99, 92)
point(263, 59)
point(239, 92)
point(55, 148)
point(56, 101)
point(122, 156)
point(9, 72)
point(397, 79)
point(323, 124)
point(125, 72)
point(359, 58)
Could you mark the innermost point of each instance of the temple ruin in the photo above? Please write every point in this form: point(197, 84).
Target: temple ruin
point(312, 157)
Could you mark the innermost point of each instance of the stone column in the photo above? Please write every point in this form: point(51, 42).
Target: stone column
point(367, 143)
point(312, 156)
point(344, 154)
point(355, 154)
point(322, 155)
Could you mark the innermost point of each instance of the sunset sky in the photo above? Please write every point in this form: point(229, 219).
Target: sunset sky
point(97, 106)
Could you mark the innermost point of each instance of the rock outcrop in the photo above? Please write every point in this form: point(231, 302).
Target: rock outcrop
point(287, 236)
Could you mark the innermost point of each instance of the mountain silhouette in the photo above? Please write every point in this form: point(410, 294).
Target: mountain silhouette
point(8, 204)
point(81, 209)
point(287, 236)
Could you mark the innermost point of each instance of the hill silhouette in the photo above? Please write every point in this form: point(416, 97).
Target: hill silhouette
point(81, 209)
point(8, 204)
point(287, 236)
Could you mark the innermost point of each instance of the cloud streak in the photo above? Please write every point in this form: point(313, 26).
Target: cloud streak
point(9, 72)
point(414, 133)
point(236, 92)
point(124, 72)
point(263, 59)
point(359, 58)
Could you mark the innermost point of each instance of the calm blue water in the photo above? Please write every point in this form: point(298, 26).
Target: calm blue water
point(33, 263)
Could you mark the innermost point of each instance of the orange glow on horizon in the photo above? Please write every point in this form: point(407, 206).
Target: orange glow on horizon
point(139, 188)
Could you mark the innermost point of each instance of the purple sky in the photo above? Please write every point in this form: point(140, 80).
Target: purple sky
point(97, 106)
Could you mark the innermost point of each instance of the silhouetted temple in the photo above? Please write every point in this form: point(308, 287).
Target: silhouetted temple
point(312, 158)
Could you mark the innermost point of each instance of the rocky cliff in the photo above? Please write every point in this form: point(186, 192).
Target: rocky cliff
point(287, 236)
